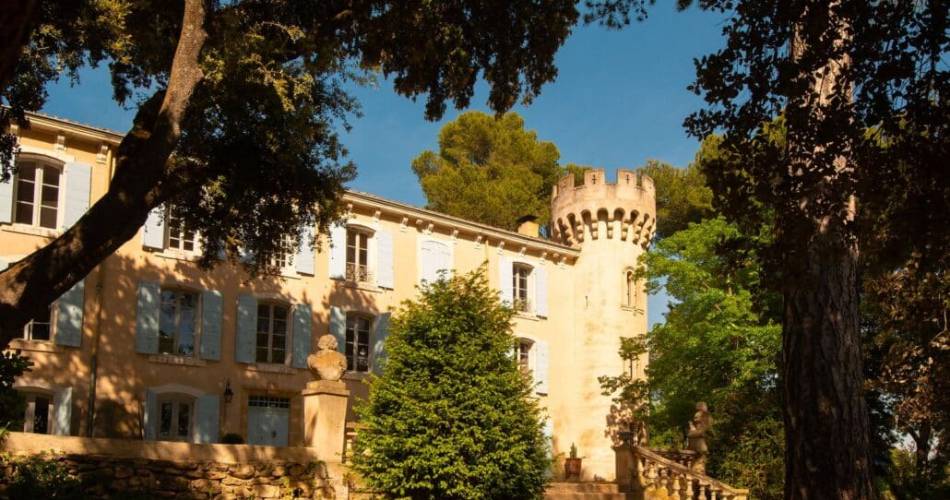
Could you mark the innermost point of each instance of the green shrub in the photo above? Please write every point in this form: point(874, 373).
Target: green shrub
point(40, 476)
point(452, 416)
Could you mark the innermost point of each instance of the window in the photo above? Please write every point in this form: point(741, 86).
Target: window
point(175, 417)
point(281, 259)
point(357, 255)
point(271, 333)
point(524, 354)
point(357, 342)
point(40, 327)
point(179, 236)
point(519, 286)
point(268, 420)
point(177, 324)
point(630, 289)
point(39, 409)
point(37, 194)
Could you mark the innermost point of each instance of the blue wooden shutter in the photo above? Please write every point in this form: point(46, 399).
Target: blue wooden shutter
point(146, 317)
point(150, 416)
point(338, 327)
point(153, 232)
point(211, 305)
point(301, 335)
point(69, 309)
point(206, 419)
point(246, 329)
point(6, 200)
point(379, 343)
point(337, 251)
point(385, 274)
point(541, 291)
point(62, 411)
point(541, 366)
point(504, 280)
point(304, 261)
point(78, 186)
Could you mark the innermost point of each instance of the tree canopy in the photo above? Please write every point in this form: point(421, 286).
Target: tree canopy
point(452, 415)
point(249, 173)
point(489, 169)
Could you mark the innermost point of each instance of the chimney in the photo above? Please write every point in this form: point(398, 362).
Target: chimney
point(528, 226)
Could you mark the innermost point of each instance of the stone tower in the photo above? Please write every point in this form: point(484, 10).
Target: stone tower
point(612, 224)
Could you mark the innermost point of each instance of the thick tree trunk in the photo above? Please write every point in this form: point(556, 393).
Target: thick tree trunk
point(17, 19)
point(826, 421)
point(143, 180)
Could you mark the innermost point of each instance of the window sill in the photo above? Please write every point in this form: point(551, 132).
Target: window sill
point(364, 286)
point(34, 345)
point(636, 310)
point(271, 368)
point(178, 255)
point(528, 316)
point(170, 359)
point(31, 230)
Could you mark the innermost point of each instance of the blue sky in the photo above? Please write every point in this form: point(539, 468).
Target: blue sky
point(620, 99)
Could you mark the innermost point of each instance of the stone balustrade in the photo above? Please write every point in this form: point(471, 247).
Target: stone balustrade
point(648, 475)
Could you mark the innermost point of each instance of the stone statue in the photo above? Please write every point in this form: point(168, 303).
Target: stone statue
point(696, 436)
point(327, 363)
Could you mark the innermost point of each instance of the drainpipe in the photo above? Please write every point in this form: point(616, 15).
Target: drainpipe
point(94, 357)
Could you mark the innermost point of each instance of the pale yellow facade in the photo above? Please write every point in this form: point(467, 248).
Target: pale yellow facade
point(108, 380)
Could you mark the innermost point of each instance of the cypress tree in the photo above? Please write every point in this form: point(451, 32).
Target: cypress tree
point(452, 416)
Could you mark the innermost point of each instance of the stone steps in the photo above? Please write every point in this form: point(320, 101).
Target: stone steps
point(584, 491)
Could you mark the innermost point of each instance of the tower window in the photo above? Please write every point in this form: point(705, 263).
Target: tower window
point(630, 289)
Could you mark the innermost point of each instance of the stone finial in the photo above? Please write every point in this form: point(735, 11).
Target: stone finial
point(327, 363)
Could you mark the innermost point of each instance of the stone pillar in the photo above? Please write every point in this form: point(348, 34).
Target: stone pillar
point(625, 467)
point(324, 411)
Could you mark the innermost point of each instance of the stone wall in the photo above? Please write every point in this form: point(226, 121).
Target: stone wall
point(108, 468)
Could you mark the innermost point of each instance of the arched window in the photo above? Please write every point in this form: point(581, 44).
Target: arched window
point(357, 341)
point(272, 332)
point(630, 289)
point(37, 190)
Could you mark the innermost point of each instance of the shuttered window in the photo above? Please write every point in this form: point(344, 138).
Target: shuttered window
point(37, 194)
point(357, 256)
point(178, 322)
point(271, 333)
point(520, 275)
point(180, 236)
point(39, 408)
point(357, 342)
point(175, 418)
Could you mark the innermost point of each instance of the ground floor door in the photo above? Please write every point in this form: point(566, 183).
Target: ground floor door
point(268, 421)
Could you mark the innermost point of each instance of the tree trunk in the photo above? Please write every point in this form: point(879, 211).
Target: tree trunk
point(16, 22)
point(143, 180)
point(826, 421)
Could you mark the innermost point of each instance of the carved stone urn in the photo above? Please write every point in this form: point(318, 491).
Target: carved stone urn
point(327, 363)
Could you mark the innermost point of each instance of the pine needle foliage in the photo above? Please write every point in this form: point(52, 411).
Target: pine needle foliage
point(452, 416)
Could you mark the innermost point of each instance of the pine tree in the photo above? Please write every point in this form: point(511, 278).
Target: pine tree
point(452, 416)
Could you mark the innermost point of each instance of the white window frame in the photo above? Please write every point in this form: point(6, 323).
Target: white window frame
point(40, 160)
point(371, 321)
point(350, 271)
point(28, 327)
point(525, 305)
point(176, 400)
point(179, 250)
point(288, 332)
point(177, 333)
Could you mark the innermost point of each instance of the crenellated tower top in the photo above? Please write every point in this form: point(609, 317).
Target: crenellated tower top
point(623, 210)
